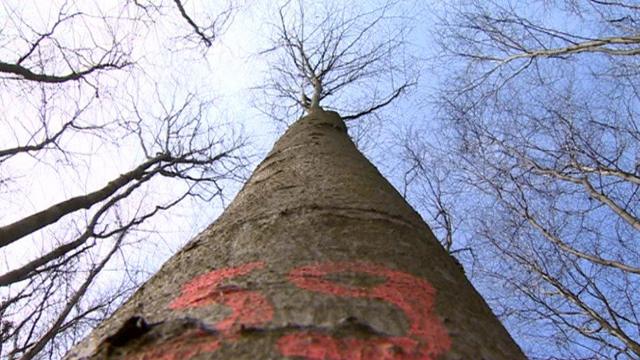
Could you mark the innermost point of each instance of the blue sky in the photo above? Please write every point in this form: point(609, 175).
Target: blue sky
point(225, 76)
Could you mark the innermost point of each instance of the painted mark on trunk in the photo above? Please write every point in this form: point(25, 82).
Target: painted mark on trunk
point(427, 337)
point(248, 308)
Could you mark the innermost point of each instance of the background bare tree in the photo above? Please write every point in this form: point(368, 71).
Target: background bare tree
point(69, 111)
point(356, 58)
point(425, 182)
point(532, 177)
point(539, 111)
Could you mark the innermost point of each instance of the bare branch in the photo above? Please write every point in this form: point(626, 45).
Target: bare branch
point(55, 328)
point(380, 105)
point(26, 74)
point(207, 39)
point(332, 53)
point(12, 232)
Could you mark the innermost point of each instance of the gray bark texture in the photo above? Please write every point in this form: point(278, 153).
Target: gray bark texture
point(318, 257)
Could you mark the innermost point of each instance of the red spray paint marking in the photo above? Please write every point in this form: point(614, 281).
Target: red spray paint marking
point(319, 346)
point(427, 337)
point(248, 308)
point(182, 347)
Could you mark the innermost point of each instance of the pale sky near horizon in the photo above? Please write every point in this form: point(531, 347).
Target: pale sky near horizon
point(225, 73)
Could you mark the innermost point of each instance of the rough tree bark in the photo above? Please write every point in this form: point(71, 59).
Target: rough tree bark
point(318, 257)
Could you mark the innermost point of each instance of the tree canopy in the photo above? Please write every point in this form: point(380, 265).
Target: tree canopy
point(511, 127)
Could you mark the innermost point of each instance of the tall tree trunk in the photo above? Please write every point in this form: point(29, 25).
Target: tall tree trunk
point(318, 257)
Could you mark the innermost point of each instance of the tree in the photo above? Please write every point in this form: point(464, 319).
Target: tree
point(64, 68)
point(318, 256)
point(317, 57)
point(330, 262)
point(542, 121)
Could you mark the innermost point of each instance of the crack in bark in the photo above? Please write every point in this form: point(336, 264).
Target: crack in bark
point(350, 326)
point(136, 328)
point(267, 177)
point(324, 210)
point(334, 210)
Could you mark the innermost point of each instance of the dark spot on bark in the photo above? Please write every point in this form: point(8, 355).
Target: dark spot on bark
point(133, 328)
point(352, 325)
